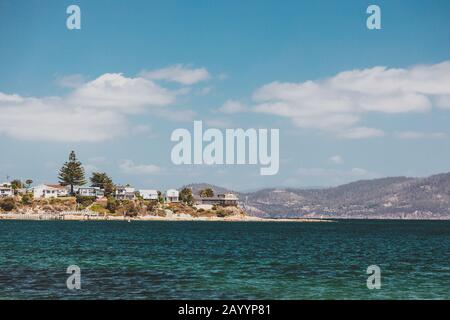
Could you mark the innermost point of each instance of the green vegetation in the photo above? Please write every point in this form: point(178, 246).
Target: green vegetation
point(160, 197)
point(103, 181)
point(206, 193)
point(7, 204)
point(16, 184)
point(96, 207)
point(72, 173)
point(221, 213)
point(85, 201)
point(27, 199)
point(112, 204)
point(186, 196)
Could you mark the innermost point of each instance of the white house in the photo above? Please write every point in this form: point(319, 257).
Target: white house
point(226, 199)
point(171, 195)
point(148, 194)
point(6, 191)
point(91, 192)
point(49, 191)
point(124, 193)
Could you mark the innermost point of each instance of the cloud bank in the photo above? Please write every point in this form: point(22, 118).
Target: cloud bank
point(93, 111)
point(178, 73)
point(339, 103)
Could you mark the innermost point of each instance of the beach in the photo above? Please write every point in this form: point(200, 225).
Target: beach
point(172, 217)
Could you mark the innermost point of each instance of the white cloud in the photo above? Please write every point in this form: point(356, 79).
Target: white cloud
point(354, 172)
point(129, 167)
point(140, 129)
point(94, 111)
point(232, 106)
point(53, 119)
point(126, 95)
point(204, 91)
point(178, 73)
point(419, 135)
point(337, 159)
point(89, 168)
point(71, 81)
point(98, 159)
point(337, 104)
point(175, 115)
point(323, 176)
point(222, 76)
point(219, 123)
point(360, 133)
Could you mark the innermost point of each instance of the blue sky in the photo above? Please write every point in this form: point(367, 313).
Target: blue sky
point(350, 103)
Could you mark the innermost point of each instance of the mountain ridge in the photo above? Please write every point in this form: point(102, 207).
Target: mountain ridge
point(383, 198)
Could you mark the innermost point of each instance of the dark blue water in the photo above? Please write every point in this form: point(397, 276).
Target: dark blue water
point(224, 260)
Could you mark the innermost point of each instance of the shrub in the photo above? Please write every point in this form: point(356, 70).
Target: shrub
point(152, 205)
point(221, 213)
point(112, 205)
point(84, 201)
point(8, 204)
point(98, 208)
point(54, 201)
point(27, 199)
point(130, 209)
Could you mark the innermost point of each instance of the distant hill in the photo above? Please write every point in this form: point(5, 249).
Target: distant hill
point(388, 198)
point(196, 187)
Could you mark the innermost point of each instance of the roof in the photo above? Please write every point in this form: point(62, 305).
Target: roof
point(173, 192)
point(55, 186)
point(148, 191)
point(50, 186)
point(197, 198)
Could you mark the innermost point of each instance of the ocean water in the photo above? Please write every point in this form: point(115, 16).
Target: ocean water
point(224, 260)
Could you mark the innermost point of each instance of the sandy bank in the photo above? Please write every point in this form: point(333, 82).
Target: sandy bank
point(84, 217)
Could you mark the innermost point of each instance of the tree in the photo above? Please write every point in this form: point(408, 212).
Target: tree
point(206, 193)
point(72, 173)
point(16, 184)
point(27, 199)
point(160, 197)
point(186, 196)
point(112, 205)
point(102, 180)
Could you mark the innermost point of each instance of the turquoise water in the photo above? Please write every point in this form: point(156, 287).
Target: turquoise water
point(223, 260)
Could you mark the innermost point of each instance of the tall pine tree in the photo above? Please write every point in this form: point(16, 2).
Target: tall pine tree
point(72, 173)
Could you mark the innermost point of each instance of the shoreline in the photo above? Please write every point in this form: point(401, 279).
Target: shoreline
point(183, 217)
point(84, 217)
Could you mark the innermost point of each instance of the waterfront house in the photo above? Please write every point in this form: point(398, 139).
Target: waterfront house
point(171, 195)
point(49, 191)
point(91, 192)
point(6, 191)
point(124, 193)
point(225, 199)
point(148, 194)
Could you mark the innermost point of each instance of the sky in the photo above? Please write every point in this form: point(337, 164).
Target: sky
point(350, 103)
